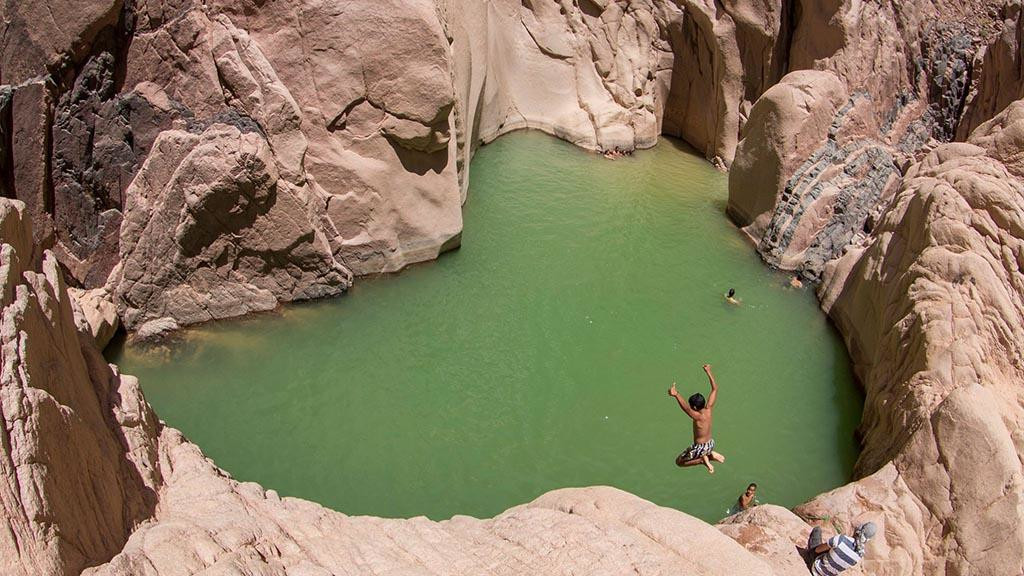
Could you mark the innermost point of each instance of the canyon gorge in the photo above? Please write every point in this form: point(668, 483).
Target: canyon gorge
point(168, 163)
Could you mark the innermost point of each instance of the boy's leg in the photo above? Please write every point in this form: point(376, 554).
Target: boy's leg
point(686, 463)
point(704, 459)
point(717, 457)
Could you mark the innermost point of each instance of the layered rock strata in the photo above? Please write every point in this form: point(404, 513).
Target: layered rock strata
point(941, 358)
point(901, 74)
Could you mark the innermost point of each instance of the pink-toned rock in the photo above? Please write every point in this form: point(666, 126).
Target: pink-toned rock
point(998, 77)
point(31, 110)
point(37, 35)
point(593, 73)
point(211, 231)
point(726, 54)
point(932, 309)
point(772, 533)
point(790, 122)
point(95, 314)
point(69, 492)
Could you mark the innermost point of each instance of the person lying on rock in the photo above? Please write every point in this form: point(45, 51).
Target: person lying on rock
point(840, 552)
point(702, 451)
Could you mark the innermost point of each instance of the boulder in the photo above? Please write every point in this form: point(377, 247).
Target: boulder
point(95, 314)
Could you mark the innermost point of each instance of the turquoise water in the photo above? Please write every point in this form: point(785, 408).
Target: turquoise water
point(535, 357)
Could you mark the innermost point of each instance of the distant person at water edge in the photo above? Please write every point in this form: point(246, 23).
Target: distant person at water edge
point(840, 552)
point(702, 451)
point(730, 297)
point(749, 498)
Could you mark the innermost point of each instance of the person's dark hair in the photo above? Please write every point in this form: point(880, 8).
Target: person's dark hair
point(732, 292)
point(752, 485)
point(697, 401)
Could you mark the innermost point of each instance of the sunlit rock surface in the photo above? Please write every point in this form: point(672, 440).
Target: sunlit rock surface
point(192, 161)
point(91, 477)
point(931, 307)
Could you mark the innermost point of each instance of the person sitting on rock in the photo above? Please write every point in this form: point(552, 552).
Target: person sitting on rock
point(840, 552)
point(702, 451)
point(730, 297)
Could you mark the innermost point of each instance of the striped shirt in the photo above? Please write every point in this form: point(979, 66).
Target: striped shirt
point(842, 555)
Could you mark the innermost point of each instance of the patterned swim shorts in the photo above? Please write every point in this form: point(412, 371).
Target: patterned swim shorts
point(697, 451)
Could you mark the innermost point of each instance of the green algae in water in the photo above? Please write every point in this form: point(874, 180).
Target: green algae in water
point(535, 357)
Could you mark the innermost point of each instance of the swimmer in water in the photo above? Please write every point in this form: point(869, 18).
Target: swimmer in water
point(749, 498)
point(731, 297)
point(795, 282)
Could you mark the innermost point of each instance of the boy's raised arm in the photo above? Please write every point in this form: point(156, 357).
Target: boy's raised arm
point(714, 386)
point(682, 403)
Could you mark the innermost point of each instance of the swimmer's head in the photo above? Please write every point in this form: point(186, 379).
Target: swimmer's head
point(697, 401)
point(732, 292)
point(752, 488)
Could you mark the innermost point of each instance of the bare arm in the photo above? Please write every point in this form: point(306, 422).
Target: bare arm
point(714, 386)
point(682, 403)
point(822, 548)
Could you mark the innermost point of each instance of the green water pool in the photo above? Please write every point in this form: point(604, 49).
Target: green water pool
point(535, 357)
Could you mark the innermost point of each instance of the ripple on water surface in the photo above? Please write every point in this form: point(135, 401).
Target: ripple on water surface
point(535, 357)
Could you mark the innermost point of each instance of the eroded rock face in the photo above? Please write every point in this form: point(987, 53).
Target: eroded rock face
point(76, 476)
point(206, 159)
point(906, 72)
point(594, 73)
point(239, 240)
point(95, 314)
point(355, 107)
point(942, 280)
point(87, 463)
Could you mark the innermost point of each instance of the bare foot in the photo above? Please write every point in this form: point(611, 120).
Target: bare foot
point(711, 469)
point(717, 457)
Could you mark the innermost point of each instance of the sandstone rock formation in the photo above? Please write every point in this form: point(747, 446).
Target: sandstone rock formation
point(74, 480)
point(92, 482)
point(370, 111)
point(240, 235)
point(95, 314)
point(905, 70)
point(353, 110)
point(195, 160)
point(940, 358)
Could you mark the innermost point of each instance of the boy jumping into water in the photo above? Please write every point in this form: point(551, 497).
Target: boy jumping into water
point(703, 449)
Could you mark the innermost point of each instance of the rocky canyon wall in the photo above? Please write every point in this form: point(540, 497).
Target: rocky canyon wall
point(92, 483)
point(931, 308)
point(813, 171)
point(189, 161)
point(917, 241)
point(204, 160)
